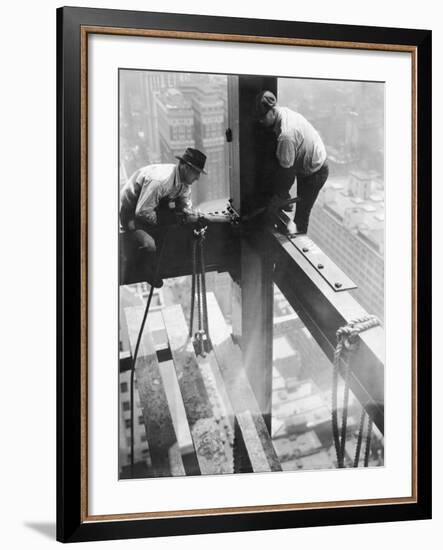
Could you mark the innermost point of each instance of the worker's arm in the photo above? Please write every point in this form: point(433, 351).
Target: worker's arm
point(183, 204)
point(128, 200)
point(151, 193)
point(286, 152)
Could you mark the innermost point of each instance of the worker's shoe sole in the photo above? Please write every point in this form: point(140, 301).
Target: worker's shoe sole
point(153, 279)
point(156, 283)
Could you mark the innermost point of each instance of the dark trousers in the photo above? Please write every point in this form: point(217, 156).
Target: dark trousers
point(144, 241)
point(276, 180)
point(308, 188)
point(139, 254)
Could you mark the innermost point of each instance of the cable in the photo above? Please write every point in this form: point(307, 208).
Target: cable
point(346, 337)
point(360, 438)
point(368, 442)
point(207, 343)
point(194, 267)
point(139, 337)
point(201, 340)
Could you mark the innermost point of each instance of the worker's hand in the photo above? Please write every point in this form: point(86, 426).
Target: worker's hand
point(194, 216)
point(274, 204)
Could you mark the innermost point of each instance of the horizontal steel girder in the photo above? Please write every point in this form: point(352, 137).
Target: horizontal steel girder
point(323, 311)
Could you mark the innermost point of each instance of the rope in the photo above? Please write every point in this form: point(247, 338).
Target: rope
point(368, 441)
point(344, 420)
point(142, 326)
point(347, 339)
point(337, 354)
point(137, 345)
point(360, 438)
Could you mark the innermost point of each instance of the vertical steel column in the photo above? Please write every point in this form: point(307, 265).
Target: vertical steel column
point(256, 269)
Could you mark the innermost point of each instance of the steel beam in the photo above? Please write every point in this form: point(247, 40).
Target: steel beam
point(323, 310)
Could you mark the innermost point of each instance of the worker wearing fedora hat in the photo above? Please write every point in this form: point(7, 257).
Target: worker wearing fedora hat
point(195, 159)
point(143, 195)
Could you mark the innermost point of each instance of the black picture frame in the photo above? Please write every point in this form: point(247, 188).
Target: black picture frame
point(72, 522)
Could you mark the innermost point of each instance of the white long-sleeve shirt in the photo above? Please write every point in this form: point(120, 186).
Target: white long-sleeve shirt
point(298, 143)
point(145, 189)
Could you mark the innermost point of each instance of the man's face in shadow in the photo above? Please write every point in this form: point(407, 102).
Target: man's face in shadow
point(268, 120)
point(189, 174)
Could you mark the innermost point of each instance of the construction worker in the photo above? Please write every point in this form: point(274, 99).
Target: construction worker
point(142, 197)
point(295, 150)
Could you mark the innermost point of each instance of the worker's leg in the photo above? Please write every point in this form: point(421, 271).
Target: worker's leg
point(308, 188)
point(275, 180)
point(146, 254)
point(284, 179)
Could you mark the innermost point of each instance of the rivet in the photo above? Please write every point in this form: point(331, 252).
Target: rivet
point(305, 249)
point(338, 285)
point(320, 266)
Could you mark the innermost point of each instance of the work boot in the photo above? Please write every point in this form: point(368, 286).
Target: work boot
point(288, 207)
point(153, 279)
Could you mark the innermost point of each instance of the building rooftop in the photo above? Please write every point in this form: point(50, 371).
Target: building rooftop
point(174, 99)
point(364, 216)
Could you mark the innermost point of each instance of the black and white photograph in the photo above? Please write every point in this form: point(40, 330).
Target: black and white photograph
point(244, 253)
point(251, 274)
point(219, 245)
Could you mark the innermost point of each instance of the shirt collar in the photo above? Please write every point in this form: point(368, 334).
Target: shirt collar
point(277, 123)
point(177, 180)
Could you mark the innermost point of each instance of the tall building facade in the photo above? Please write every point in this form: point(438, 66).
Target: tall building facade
point(175, 124)
point(209, 136)
point(347, 222)
point(162, 113)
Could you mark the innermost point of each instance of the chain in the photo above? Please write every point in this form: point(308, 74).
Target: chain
point(368, 441)
point(207, 342)
point(194, 268)
point(202, 343)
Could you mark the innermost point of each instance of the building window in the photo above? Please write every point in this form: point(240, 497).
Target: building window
point(124, 387)
point(126, 406)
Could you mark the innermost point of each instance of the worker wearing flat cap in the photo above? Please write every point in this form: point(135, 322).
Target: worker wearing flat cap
point(143, 195)
point(299, 153)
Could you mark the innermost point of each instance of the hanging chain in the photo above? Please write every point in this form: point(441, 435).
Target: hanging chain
point(207, 341)
point(360, 438)
point(347, 339)
point(194, 273)
point(368, 441)
point(201, 342)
